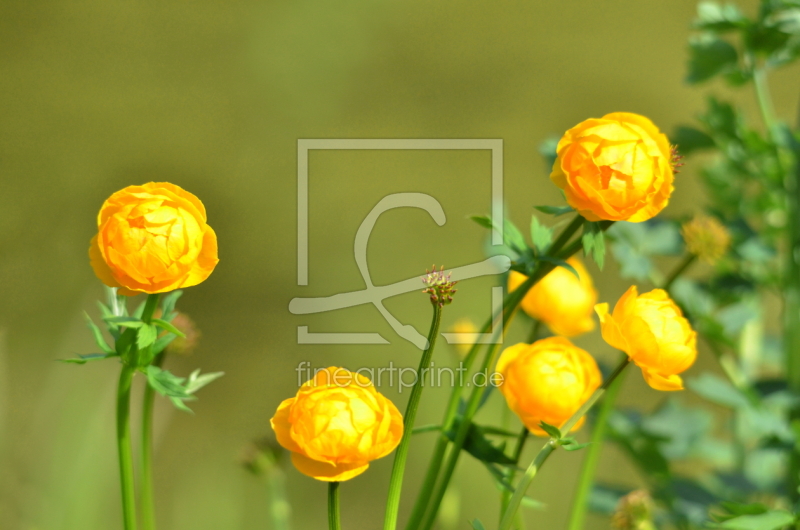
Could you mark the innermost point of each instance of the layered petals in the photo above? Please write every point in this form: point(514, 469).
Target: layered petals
point(547, 381)
point(153, 239)
point(652, 330)
point(336, 424)
point(616, 168)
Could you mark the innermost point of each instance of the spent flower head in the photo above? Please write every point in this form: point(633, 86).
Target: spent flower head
point(184, 345)
point(634, 512)
point(439, 285)
point(706, 238)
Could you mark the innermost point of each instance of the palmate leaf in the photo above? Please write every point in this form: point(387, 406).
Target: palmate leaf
point(146, 335)
point(542, 236)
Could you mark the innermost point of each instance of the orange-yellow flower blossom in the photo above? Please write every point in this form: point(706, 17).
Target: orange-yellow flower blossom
point(153, 239)
point(547, 381)
point(560, 300)
point(652, 330)
point(616, 168)
point(336, 425)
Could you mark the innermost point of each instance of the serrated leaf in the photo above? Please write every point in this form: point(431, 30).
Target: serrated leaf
point(593, 241)
point(146, 335)
point(513, 237)
point(163, 324)
point(571, 444)
point(83, 359)
point(197, 381)
point(709, 56)
point(166, 383)
point(555, 210)
point(98, 335)
point(554, 432)
point(181, 404)
point(542, 236)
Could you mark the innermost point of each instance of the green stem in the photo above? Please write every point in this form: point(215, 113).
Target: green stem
point(279, 508)
point(537, 325)
point(512, 301)
point(791, 309)
point(147, 496)
point(124, 448)
point(521, 439)
point(550, 446)
point(334, 519)
point(764, 98)
point(680, 269)
point(401, 455)
point(592, 457)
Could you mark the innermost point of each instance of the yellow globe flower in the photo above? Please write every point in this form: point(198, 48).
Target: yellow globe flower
point(336, 425)
point(560, 300)
point(616, 168)
point(547, 381)
point(153, 239)
point(652, 330)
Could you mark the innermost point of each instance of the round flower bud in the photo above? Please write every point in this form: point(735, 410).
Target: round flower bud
point(652, 330)
point(706, 238)
point(560, 300)
point(153, 239)
point(547, 381)
point(336, 425)
point(616, 168)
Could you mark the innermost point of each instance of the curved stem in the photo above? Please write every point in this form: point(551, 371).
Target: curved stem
point(550, 446)
point(521, 439)
point(537, 325)
point(124, 448)
point(400, 457)
point(334, 519)
point(592, 457)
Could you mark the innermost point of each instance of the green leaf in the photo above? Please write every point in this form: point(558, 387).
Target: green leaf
point(128, 322)
point(146, 336)
point(83, 359)
point(479, 446)
point(513, 237)
point(165, 383)
point(168, 305)
point(98, 335)
point(771, 520)
point(561, 263)
point(554, 432)
point(125, 341)
point(162, 342)
point(477, 525)
point(717, 390)
point(555, 210)
point(594, 242)
point(689, 140)
point(163, 324)
point(571, 444)
point(483, 221)
point(139, 311)
point(180, 403)
point(548, 150)
point(502, 481)
point(720, 18)
point(709, 56)
point(197, 381)
point(541, 235)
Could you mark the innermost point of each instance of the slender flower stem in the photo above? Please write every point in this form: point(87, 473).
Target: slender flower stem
point(592, 456)
point(550, 446)
point(334, 519)
point(147, 496)
point(279, 507)
point(680, 269)
point(124, 448)
point(534, 334)
point(506, 495)
point(401, 455)
point(512, 301)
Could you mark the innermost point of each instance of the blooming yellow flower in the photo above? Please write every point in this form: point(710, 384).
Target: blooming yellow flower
point(652, 330)
point(153, 239)
point(616, 168)
point(706, 238)
point(547, 381)
point(336, 424)
point(560, 300)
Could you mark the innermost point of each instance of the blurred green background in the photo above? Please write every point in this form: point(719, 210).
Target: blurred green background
point(95, 96)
